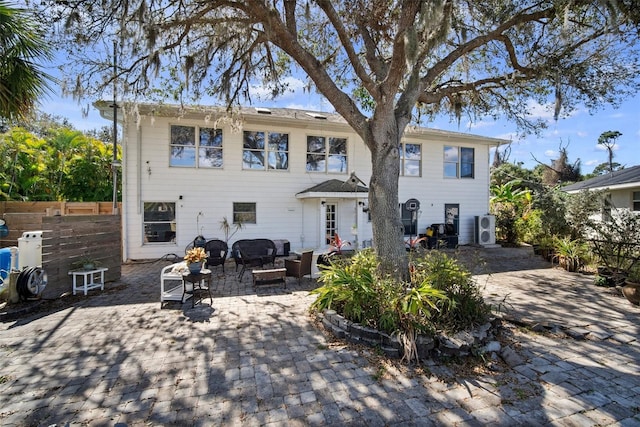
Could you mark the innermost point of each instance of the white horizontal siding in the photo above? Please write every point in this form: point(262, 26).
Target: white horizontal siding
point(279, 214)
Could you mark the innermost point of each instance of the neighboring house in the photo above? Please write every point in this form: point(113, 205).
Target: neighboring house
point(285, 174)
point(622, 188)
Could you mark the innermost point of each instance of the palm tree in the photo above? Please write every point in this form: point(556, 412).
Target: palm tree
point(22, 81)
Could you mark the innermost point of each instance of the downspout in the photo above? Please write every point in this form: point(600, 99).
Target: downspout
point(302, 224)
point(114, 163)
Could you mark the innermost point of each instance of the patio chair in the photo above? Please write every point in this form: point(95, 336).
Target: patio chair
point(299, 267)
point(216, 250)
point(198, 241)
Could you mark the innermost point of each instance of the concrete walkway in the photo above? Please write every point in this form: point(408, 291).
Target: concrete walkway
point(255, 357)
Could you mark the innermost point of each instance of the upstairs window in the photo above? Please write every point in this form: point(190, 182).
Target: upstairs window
point(326, 154)
point(636, 201)
point(459, 162)
point(261, 154)
point(410, 159)
point(193, 147)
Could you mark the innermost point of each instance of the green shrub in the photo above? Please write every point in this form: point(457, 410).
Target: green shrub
point(441, 296)
point(351, 288)
point(570, 254)
point(529, 227)
point(467, 307)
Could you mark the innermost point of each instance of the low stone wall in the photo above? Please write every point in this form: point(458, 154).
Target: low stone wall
point(461, 344)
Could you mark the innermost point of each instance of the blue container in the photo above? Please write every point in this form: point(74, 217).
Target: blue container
point(5, 263)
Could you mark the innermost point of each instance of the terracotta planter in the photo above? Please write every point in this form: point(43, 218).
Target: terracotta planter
point(631, 291)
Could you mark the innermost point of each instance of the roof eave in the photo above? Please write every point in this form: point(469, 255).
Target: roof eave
point(624, 186)
point(332, 195)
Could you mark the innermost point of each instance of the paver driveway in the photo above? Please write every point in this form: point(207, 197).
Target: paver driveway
point(256, 358)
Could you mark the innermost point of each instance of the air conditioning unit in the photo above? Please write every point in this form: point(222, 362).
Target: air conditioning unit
point(485, 230)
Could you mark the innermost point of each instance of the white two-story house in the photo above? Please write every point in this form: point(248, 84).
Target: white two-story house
point(284, 174)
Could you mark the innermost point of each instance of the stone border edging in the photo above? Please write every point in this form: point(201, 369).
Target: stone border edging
point(461, 344)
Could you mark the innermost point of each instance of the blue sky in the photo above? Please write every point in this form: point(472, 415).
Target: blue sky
point(579, 133)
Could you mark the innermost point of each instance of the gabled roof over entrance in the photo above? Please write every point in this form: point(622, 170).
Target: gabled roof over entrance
point(334, 188)
point(620, 179)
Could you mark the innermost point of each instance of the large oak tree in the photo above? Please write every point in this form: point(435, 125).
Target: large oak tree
point(380, 63)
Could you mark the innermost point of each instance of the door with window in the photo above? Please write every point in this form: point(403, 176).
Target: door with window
point(331, 222)
point(452, 216)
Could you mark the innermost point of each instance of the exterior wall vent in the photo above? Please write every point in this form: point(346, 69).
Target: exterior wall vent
point(317, 116)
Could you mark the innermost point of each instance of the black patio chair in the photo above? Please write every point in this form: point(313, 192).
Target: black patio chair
point(216, 250)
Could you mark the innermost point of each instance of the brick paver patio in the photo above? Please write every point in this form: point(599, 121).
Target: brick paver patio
point(255, 358)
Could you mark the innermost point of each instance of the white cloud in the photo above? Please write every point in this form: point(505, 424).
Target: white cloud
point(510, 136)
point(535, 110)
point(480, 124)
point(73, 111)
point(295, 88)
point(582, 134)
point(551, 153)
point(591, 163)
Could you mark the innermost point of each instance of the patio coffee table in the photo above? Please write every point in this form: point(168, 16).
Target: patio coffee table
point(271, 275)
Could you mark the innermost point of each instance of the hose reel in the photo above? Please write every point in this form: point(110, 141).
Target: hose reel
point(31, 283)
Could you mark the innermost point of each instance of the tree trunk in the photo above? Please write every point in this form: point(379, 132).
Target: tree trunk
point(388, 231)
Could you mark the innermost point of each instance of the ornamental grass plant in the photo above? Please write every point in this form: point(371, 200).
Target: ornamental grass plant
point(440, 296)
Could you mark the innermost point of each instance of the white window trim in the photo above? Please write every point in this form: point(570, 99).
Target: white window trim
point(266, 151)
point(196, 146)
point(459, 163)
point(403, 159)
point(326, 154)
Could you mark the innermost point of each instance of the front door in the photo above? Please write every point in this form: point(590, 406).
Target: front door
point(331, 222)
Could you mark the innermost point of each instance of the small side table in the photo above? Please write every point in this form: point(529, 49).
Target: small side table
point(92, 279)
point(197, 280)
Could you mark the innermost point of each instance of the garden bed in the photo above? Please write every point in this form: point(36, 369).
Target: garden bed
point(461, 344)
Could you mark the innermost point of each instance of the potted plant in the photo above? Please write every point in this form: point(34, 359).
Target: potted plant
point(337, 244)
point(195, 258)
point(546, 247)
point(229, 229)
point(336, 250)
point(86, 262)
point(570, 254)
point(413, 243)
point(631, 288)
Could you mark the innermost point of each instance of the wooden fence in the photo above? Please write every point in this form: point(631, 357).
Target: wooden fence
point(68, 234)
point(27, 216)
point(67, 239)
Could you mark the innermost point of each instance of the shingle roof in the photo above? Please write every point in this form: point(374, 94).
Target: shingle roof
point(335, 186)
point(624, 177)
point(291, 116)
